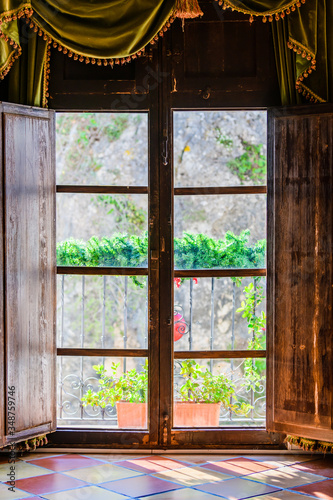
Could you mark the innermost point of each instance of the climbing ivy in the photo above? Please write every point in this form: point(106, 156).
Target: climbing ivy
point(251, 165)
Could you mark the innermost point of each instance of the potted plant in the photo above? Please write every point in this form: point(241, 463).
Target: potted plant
point(201, 397)
point(198, 404)
point(128, 393)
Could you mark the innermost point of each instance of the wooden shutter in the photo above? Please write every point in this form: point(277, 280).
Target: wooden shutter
point(300, 235)
point(29, 270)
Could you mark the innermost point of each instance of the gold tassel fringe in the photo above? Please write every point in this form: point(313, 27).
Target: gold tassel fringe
point(30, 444)
point(266, 16)
point(7, 17)
point(310, 444)
point(310, 56)
point(91, 60)
point(187, 9)
point(26, 12)
point(46, 76)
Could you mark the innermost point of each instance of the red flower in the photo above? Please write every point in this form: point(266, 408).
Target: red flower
point(178, 282)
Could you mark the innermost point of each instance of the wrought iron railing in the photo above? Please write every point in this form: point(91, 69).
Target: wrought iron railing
point(74, 381)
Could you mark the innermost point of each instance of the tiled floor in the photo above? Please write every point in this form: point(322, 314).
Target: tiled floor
point(168, 477)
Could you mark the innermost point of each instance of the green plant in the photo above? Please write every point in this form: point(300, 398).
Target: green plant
point(223, 139)
point(124, 210)
point(193, 251)
point(202, 386)
point(253, 368)
point(252, 164)
point(131, 386)
point(116, 127)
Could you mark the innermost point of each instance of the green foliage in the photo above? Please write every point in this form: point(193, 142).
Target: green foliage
point(252, 164)
point(199, 386)
point(131, 386)
point(256, 323)
point(72, 253)
point(117, 251)
point(193, 251)
point(89, 128)
point(202, 386)
point(124, 210)
point(116, 127)
point(223, 139)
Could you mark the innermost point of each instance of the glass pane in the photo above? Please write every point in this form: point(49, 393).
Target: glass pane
point(219, 314)
point(220, 148)
point(102, 148)
point(220, 231)
point(219, 393)
point(89, 396)
point(102, 230)
point(102, 312)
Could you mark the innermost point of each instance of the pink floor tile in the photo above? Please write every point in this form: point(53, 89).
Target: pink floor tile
point(65, 462)
point(153, 464)
point(48, 484)
point(322, 467)
point(140, 486)
point(236, 467)
point(322, 489)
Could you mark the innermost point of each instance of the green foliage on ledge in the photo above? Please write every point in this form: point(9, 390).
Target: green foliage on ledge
point(193, 251)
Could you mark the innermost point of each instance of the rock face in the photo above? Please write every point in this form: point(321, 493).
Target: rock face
point(200, 159)
point(109, 149)
point(91, 151)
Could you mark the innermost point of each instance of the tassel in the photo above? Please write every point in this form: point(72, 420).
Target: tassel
point(187, 9)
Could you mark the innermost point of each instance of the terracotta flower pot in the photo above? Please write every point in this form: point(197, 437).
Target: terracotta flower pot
point(131, 415)
point(190, 414)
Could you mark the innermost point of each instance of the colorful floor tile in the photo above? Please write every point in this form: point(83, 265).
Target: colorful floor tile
point(102, 473)
point(140, 486)
point(22, 470)
point(86, 493)
point(152, 464)
point(322, 489)
point(48, 484)
point(283, 495)
point(286, 477)
point(184, 494)
point(236, 489)
point(322, 467)
point(74, 476)
point(65, 462)
point(237, 467)
point(190, 476)
point(5, 494)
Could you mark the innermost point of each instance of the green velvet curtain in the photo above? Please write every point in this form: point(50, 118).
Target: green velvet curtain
point(308, 32)
point(103, 31)
point(303, 43)
point(26, 78)
point(98, 32)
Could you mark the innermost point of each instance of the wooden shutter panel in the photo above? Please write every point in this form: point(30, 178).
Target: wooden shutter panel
point(300, 235)
point(29, 269)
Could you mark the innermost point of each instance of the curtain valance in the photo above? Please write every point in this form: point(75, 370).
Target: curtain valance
point(107, 32)
point(99, 31)
point(267, 9)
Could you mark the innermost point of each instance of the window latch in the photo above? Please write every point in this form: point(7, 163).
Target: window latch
point(165, 151)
